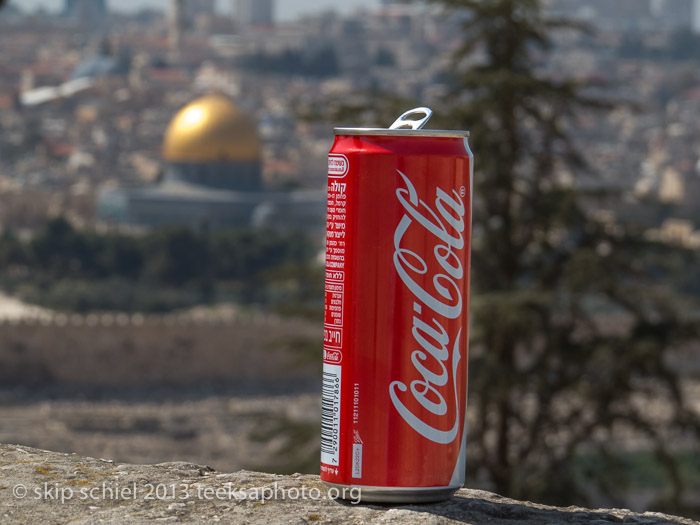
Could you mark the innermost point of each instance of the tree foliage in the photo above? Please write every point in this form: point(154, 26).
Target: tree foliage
point(164, 269)
point(570, 334)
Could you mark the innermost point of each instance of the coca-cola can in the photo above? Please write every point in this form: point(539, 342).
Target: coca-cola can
point(396, 325)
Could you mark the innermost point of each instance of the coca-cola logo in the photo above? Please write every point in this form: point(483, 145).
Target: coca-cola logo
point(337, 166)
point(332, 356)
point(436, 359)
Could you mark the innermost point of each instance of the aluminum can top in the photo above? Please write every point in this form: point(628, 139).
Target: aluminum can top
point(405, 127)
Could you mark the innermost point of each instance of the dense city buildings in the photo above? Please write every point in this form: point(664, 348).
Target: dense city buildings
point(89, 13)
point(255, 12)
point(86, 98)
point(212, 179)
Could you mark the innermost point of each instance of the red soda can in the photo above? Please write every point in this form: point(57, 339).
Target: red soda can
point(397, 311)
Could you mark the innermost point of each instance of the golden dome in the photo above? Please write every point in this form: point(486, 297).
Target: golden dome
point(211, 129)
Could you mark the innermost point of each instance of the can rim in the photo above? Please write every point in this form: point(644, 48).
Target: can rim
point(402, 132)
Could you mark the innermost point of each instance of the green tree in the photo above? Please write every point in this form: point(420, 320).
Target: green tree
point(569, 336)
point(121, 256)
point(12, 251)
point(175, 256)
point(62, 252)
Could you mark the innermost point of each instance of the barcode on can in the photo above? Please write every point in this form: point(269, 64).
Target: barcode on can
point(330, 415)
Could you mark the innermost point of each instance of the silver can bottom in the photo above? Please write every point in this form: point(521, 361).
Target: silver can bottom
point(393, 494)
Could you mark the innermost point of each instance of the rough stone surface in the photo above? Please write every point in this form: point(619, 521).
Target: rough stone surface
point(48, 487)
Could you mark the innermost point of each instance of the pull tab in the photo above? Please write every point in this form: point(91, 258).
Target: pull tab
point(403, 123)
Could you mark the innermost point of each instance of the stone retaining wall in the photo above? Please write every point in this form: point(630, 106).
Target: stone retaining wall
point(120, 351)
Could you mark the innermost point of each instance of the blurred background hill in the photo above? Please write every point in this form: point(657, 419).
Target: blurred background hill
point(162, 200)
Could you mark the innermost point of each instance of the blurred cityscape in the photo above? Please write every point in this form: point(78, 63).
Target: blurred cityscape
point(126, 126)
point(89, 104)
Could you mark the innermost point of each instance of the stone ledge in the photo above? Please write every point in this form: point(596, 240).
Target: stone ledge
point(33, 482)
